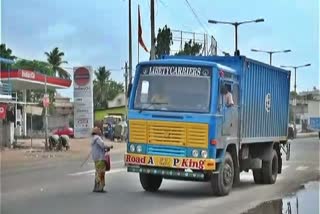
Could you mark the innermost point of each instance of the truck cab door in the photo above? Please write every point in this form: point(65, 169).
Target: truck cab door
point(230, 114)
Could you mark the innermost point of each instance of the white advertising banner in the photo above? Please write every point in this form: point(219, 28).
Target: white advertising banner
point(83, 101)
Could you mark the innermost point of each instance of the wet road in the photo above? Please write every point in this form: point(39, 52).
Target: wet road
point(66, 188)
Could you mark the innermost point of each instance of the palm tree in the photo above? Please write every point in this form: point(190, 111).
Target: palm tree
point(101, 87)
point(54, 58)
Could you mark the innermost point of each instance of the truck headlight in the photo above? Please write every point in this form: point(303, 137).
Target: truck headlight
point(195, 153)
point(139, 148)
point(204, 154)
point(132, 148)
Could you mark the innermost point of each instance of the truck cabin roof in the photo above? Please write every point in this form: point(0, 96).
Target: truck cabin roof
point(191, 61)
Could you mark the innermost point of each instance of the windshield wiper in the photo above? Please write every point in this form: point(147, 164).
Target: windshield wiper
point(152, 104)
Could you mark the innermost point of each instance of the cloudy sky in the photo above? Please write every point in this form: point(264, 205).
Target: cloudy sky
point(95, 32)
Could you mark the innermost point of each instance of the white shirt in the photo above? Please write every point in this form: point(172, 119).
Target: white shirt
point(228, 99)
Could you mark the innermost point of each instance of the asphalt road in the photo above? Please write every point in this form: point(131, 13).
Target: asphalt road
point(66, 188)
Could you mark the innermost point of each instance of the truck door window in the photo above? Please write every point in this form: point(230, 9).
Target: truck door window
point(144, 91)
point(228, 87)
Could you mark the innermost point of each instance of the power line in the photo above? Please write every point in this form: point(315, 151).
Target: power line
point(196, 16)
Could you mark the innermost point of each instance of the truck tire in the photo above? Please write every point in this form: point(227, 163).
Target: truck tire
point(222, 182)
point(150, 183)
point(257, 176)
point(270, 169)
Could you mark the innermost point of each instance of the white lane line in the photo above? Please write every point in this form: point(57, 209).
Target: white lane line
point(112, 162)
point(113, 171)
point(92, 172)
point(302, 168)
point(81, 173)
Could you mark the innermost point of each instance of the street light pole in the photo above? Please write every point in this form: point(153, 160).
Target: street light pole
point(295, 92)
point(270, 53)
point(235, 24)
point(270, 58)
point(236, 39)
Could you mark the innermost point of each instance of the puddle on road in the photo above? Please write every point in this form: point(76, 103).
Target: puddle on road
point(305, 201)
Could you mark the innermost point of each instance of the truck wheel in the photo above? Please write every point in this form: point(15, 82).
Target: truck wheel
point(270, 169)
point(150, 183)
point(222, 182)
point(257, 176)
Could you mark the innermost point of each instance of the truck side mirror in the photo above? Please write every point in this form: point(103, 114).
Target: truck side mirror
point(129, 89)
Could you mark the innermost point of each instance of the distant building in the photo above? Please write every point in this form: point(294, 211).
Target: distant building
point(63, 113)
point(118, 101)
point(307, 105)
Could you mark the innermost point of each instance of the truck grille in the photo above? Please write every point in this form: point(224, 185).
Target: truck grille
point(169, 133)
point(163, 150)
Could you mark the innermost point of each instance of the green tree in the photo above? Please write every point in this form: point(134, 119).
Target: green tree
point(114, 88)
point(55, 59)
point(104, 88)
point(5, 53)
point(190, 48)
point(101, 87)
point(35, 65)
point(164, 41)
point(41, 67)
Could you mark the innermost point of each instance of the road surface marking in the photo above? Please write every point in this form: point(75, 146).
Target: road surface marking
point(113, 171)
point(92, 172)
point(302, 168)
point(81, 173)
point(112, 162)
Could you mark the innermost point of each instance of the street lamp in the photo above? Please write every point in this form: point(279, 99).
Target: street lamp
point(235, 24)
point(295, 89)
point(271, 52)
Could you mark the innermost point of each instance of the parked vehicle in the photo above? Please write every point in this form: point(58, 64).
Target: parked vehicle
point(181, 128)
point(314, 124)
point(64, 131)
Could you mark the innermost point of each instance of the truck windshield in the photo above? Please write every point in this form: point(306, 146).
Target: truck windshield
point(174, 88)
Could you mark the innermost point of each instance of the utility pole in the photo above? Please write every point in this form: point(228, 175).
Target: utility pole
point(46, 116)
point(126, 86)
point(153, 48)
point(130, 44)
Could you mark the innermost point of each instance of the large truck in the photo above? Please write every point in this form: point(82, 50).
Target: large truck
point(181, 128)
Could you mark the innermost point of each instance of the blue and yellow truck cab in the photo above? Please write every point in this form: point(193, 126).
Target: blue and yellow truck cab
point(181, 128)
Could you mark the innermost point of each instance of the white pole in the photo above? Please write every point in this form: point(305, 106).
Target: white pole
point(46, 117)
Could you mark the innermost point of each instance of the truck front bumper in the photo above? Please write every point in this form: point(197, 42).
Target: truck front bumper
point(168, 166)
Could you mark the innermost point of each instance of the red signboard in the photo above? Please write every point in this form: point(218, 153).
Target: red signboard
point(81, 76)
point(35, 77)
point(3, 111)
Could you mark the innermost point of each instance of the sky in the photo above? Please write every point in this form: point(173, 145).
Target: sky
point(95, 32)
